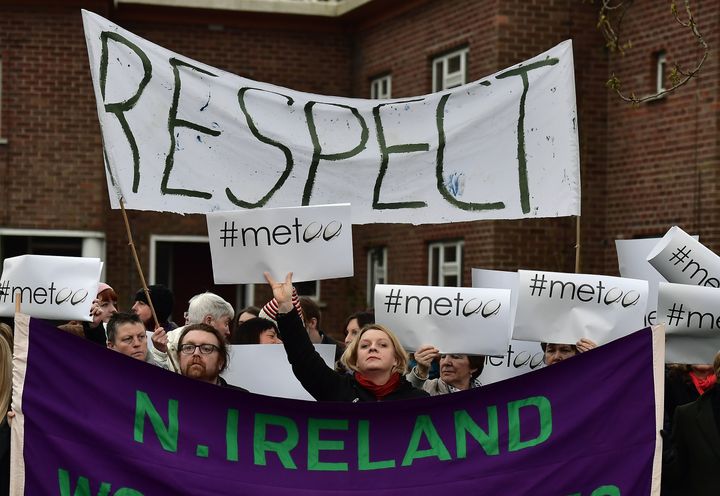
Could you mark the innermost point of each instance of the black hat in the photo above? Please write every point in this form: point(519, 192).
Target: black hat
point(162, 299)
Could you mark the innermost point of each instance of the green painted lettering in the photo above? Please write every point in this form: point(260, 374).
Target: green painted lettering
point(425, 428)
point(119, 108)
point(166, 434)
point(606, 491)
point(464, 424)
point(385, 152)
point(82, 488)
point(439, 166)
point(521, 156)
point(231, 435)
point(317, 149)
point(542, 404)
point(263, 139)
point(364, 462)
point(282, 448)
point(173, 124)
point(315, 444)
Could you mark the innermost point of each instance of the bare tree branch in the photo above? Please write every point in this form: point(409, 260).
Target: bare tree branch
point(610, 19)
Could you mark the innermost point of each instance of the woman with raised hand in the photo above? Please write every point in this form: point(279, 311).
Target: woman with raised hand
point(375, 356)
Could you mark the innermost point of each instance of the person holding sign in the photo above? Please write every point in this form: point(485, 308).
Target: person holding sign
point(457, 372)
point(557, 352)
point(375, 356)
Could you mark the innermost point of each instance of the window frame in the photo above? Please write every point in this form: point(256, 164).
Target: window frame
point(376, 87)
point(448, 79)
point(446, 269)
point(660, 69)
point(372, 278)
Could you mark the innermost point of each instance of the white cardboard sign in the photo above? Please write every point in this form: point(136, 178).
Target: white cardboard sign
point(183, 136)
point(557, 307)
point(521, 357)
point(312, 242)
point(691, 315)
point(50, 287)
point(684, 260)
point(632, 262)
point(264, 369)
point(471, 321)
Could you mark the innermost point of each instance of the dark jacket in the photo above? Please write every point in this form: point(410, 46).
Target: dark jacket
point(679, 390)
point(322, 382)
point(694, 467)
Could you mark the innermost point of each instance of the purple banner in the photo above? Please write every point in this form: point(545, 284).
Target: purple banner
point(92, 421)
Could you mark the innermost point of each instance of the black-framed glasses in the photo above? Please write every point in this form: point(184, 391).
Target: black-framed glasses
point(205, 349)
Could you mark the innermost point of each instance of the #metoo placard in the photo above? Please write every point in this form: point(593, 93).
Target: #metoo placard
point(692, 322)
point(684, 260)
point(312, 242)
point(520, 357)
point(50, 287)
point(471, 321)
point(558, 307)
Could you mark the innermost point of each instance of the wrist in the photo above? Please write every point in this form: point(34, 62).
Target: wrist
point(285, 307)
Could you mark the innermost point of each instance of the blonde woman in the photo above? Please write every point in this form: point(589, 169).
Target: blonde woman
point(375, 356)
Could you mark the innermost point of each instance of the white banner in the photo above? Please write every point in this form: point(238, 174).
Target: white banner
point(312, 242)
point(264, 369)
point(471, 321)
point(691, 315)
point(183, 136)
point(521, 357)
point(684, 260)
point(557, 307)
point(50, 287)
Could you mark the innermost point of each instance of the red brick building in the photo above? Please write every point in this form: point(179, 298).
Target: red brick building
point(643, 169)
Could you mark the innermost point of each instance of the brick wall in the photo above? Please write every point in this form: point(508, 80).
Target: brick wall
point(643, 170)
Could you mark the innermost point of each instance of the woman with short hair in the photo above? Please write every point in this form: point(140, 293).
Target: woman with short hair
point(458, 372)
point(256, 331)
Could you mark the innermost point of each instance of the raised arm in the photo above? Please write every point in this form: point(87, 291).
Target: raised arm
point(308, 366)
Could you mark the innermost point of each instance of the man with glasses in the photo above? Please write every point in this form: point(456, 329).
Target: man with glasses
point(203, 354)
point(204, 308)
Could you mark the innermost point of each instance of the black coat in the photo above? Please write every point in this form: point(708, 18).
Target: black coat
point(694, 467)
point(322, 382)
point(679, 390)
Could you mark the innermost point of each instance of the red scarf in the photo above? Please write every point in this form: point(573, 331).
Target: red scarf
point(703, 385)
point(379, 391)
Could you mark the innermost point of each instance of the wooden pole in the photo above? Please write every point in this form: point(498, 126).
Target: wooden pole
point(577, 244)
point(137, 263)
point(18, 302)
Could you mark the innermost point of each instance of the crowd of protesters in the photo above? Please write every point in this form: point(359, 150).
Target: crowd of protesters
point(371, 365)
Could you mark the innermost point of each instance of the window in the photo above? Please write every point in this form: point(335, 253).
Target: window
point(450, 70)
point(660, 69)
point(445, 263)
point(381, 87)
point(16, 242)
point(183, 264)
point(308, 288)
point(376, 271)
